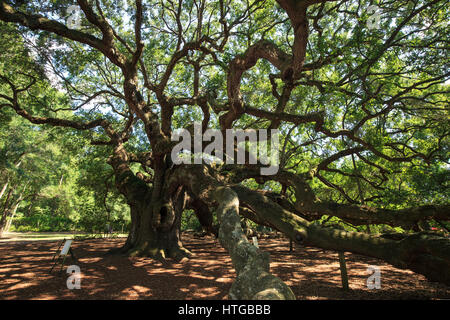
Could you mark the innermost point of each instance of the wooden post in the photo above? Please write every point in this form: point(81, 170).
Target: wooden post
point(343, 267)
point(290, 245)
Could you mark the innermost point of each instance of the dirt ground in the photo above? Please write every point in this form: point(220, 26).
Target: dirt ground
point(311, 273)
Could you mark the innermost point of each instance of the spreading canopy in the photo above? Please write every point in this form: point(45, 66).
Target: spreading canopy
point(359, 96)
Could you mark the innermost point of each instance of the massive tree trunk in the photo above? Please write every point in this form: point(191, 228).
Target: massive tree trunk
point(155, 225)
point(154, 235)
point(155, 232)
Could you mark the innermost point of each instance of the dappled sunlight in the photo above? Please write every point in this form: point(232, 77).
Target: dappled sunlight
point(311, 273)
point(315, 274)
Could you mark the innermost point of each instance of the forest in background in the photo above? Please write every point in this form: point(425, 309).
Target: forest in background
point(53, 180)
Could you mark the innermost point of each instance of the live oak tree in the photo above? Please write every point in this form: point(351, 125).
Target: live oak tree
point(360, 99)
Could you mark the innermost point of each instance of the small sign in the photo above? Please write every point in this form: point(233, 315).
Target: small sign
point(62, 255)
point(255, 241)
point(65, 249)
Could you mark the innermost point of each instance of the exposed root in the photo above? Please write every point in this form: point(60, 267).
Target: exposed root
point(180, 254)
point(176, 252)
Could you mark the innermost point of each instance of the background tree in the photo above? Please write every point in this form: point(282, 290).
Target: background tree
point(51, 178)
point(47, 186)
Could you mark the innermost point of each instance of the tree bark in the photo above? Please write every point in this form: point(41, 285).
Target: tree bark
point(424, 253)
point(309, 207)
point(9, 222)
point(4, 223)
point(252, 265)
point(156, 211)
point(5, 211)
point(159, 242)
point(155, 225)
point(204, 216)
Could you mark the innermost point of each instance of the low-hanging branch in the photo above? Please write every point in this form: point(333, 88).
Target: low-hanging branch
point(307, 203)
point(425, 253)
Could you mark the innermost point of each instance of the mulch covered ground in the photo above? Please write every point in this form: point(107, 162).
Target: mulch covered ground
point(311, 273)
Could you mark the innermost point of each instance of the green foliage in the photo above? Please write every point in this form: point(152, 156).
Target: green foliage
point(189, 221)
point(42, 222)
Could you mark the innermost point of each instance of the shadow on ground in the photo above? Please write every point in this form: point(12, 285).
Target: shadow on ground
point(311, 273)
